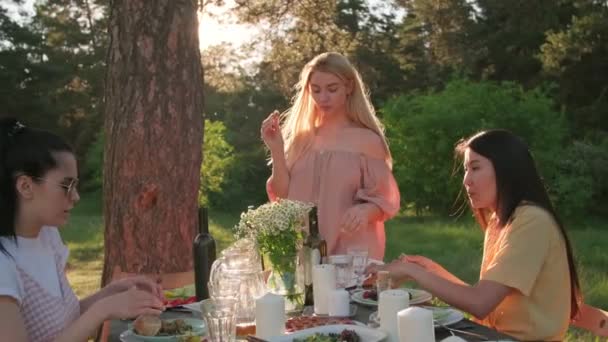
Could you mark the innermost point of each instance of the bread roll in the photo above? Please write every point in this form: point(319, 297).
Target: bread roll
point(147, 325)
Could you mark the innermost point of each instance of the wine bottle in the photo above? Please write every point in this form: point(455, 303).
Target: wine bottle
point(315, 250)
point(204, 255)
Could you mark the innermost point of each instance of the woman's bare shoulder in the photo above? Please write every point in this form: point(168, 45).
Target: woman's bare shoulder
point(366, 142)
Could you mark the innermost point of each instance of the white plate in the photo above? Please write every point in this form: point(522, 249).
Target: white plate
point(418, 297)
point(441, 316)
point(198, 328)
point(366, 334)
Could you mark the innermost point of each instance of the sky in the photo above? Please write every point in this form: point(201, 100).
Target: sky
point(218, 28)
point(215, 27)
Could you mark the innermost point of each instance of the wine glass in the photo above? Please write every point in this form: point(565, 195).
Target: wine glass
point(360, 255)
point(344, 269)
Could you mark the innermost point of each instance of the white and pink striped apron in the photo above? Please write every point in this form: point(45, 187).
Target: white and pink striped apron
point(46, 315)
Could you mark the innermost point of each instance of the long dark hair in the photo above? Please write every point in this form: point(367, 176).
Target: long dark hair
point(23, 150)
point(517, 181)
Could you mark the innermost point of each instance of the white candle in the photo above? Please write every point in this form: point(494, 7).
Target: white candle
point(416, 325)
point(339, 303)
point(323, 281)
point(270, 315)
point(390, 302)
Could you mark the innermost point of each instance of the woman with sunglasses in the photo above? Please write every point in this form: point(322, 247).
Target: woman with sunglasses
point(38, 189)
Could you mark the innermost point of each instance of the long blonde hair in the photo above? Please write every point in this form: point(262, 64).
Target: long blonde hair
point(300, 121)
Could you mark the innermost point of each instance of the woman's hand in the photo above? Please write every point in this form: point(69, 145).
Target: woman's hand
point(129, 304)
point(355, 218)
point(271, 133)
point(398, 270)
point(432, 267)
point(426, 263)
point(139, 282)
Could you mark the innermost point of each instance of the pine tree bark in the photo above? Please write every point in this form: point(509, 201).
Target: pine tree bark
point(154, 134)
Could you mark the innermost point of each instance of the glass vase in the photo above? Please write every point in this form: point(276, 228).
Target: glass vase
point(286, 278)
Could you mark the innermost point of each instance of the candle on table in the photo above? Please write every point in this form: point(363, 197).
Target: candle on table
point(416, 325)
point(339, 303)
point(270, 315)
point(390, 302)
point(323, 281)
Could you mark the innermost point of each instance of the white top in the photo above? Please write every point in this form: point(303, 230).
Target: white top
point(36, 257)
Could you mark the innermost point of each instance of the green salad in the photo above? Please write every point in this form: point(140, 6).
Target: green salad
point(345, 336)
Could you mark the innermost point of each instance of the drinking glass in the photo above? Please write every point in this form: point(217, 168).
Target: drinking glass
point(383, 281)
point(344, 269)
point(359, 255)
point(220, 315)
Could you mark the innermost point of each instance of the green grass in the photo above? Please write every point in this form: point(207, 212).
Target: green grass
point(84, 238)
point(456, 244)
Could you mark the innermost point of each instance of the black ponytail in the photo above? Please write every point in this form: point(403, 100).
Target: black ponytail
point(23, 150)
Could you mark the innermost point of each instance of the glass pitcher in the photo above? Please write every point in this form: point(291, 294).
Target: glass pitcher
point(238, 271)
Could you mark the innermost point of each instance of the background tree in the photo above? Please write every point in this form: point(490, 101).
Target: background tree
point(52, 65)
point(574, 56)
point(508, 36)
point(154, 130)
point(52, 68)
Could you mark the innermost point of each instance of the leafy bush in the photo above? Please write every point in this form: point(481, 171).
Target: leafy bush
point(93, 166)
point(582, 186)
point(245, 179)
point(423, 128)
point(217, 159)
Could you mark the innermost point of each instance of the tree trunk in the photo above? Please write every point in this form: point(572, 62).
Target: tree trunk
point(154, 134)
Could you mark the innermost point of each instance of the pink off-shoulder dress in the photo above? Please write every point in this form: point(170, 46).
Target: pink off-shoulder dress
point(336, 180)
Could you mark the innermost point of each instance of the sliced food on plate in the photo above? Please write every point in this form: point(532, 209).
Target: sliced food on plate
point(370, 297)
point(307, 322)
point(345, 336)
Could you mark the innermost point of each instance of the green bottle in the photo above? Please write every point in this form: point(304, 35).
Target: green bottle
point(315, 251)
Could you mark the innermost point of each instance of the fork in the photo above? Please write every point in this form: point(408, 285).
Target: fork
point(251, 338)
point(472, 334)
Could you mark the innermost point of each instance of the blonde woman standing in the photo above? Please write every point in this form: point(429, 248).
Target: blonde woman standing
point(329, 148)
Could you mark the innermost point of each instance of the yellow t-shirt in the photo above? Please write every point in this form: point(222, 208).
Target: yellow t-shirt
point(529, 255)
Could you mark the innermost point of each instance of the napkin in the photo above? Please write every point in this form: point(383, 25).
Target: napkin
point(416, 325)
point(270, 315)
point(390, 302)
point(323, 282)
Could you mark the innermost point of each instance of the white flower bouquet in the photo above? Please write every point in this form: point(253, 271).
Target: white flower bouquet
point(278, 230)
point(277, 227)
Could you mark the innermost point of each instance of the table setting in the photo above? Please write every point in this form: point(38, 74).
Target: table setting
point(336, 310)
point(261, 288)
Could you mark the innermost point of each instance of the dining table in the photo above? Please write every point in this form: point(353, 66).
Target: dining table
point(465, 328)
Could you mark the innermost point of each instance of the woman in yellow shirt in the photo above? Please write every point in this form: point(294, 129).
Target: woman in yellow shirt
point(528, 286)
